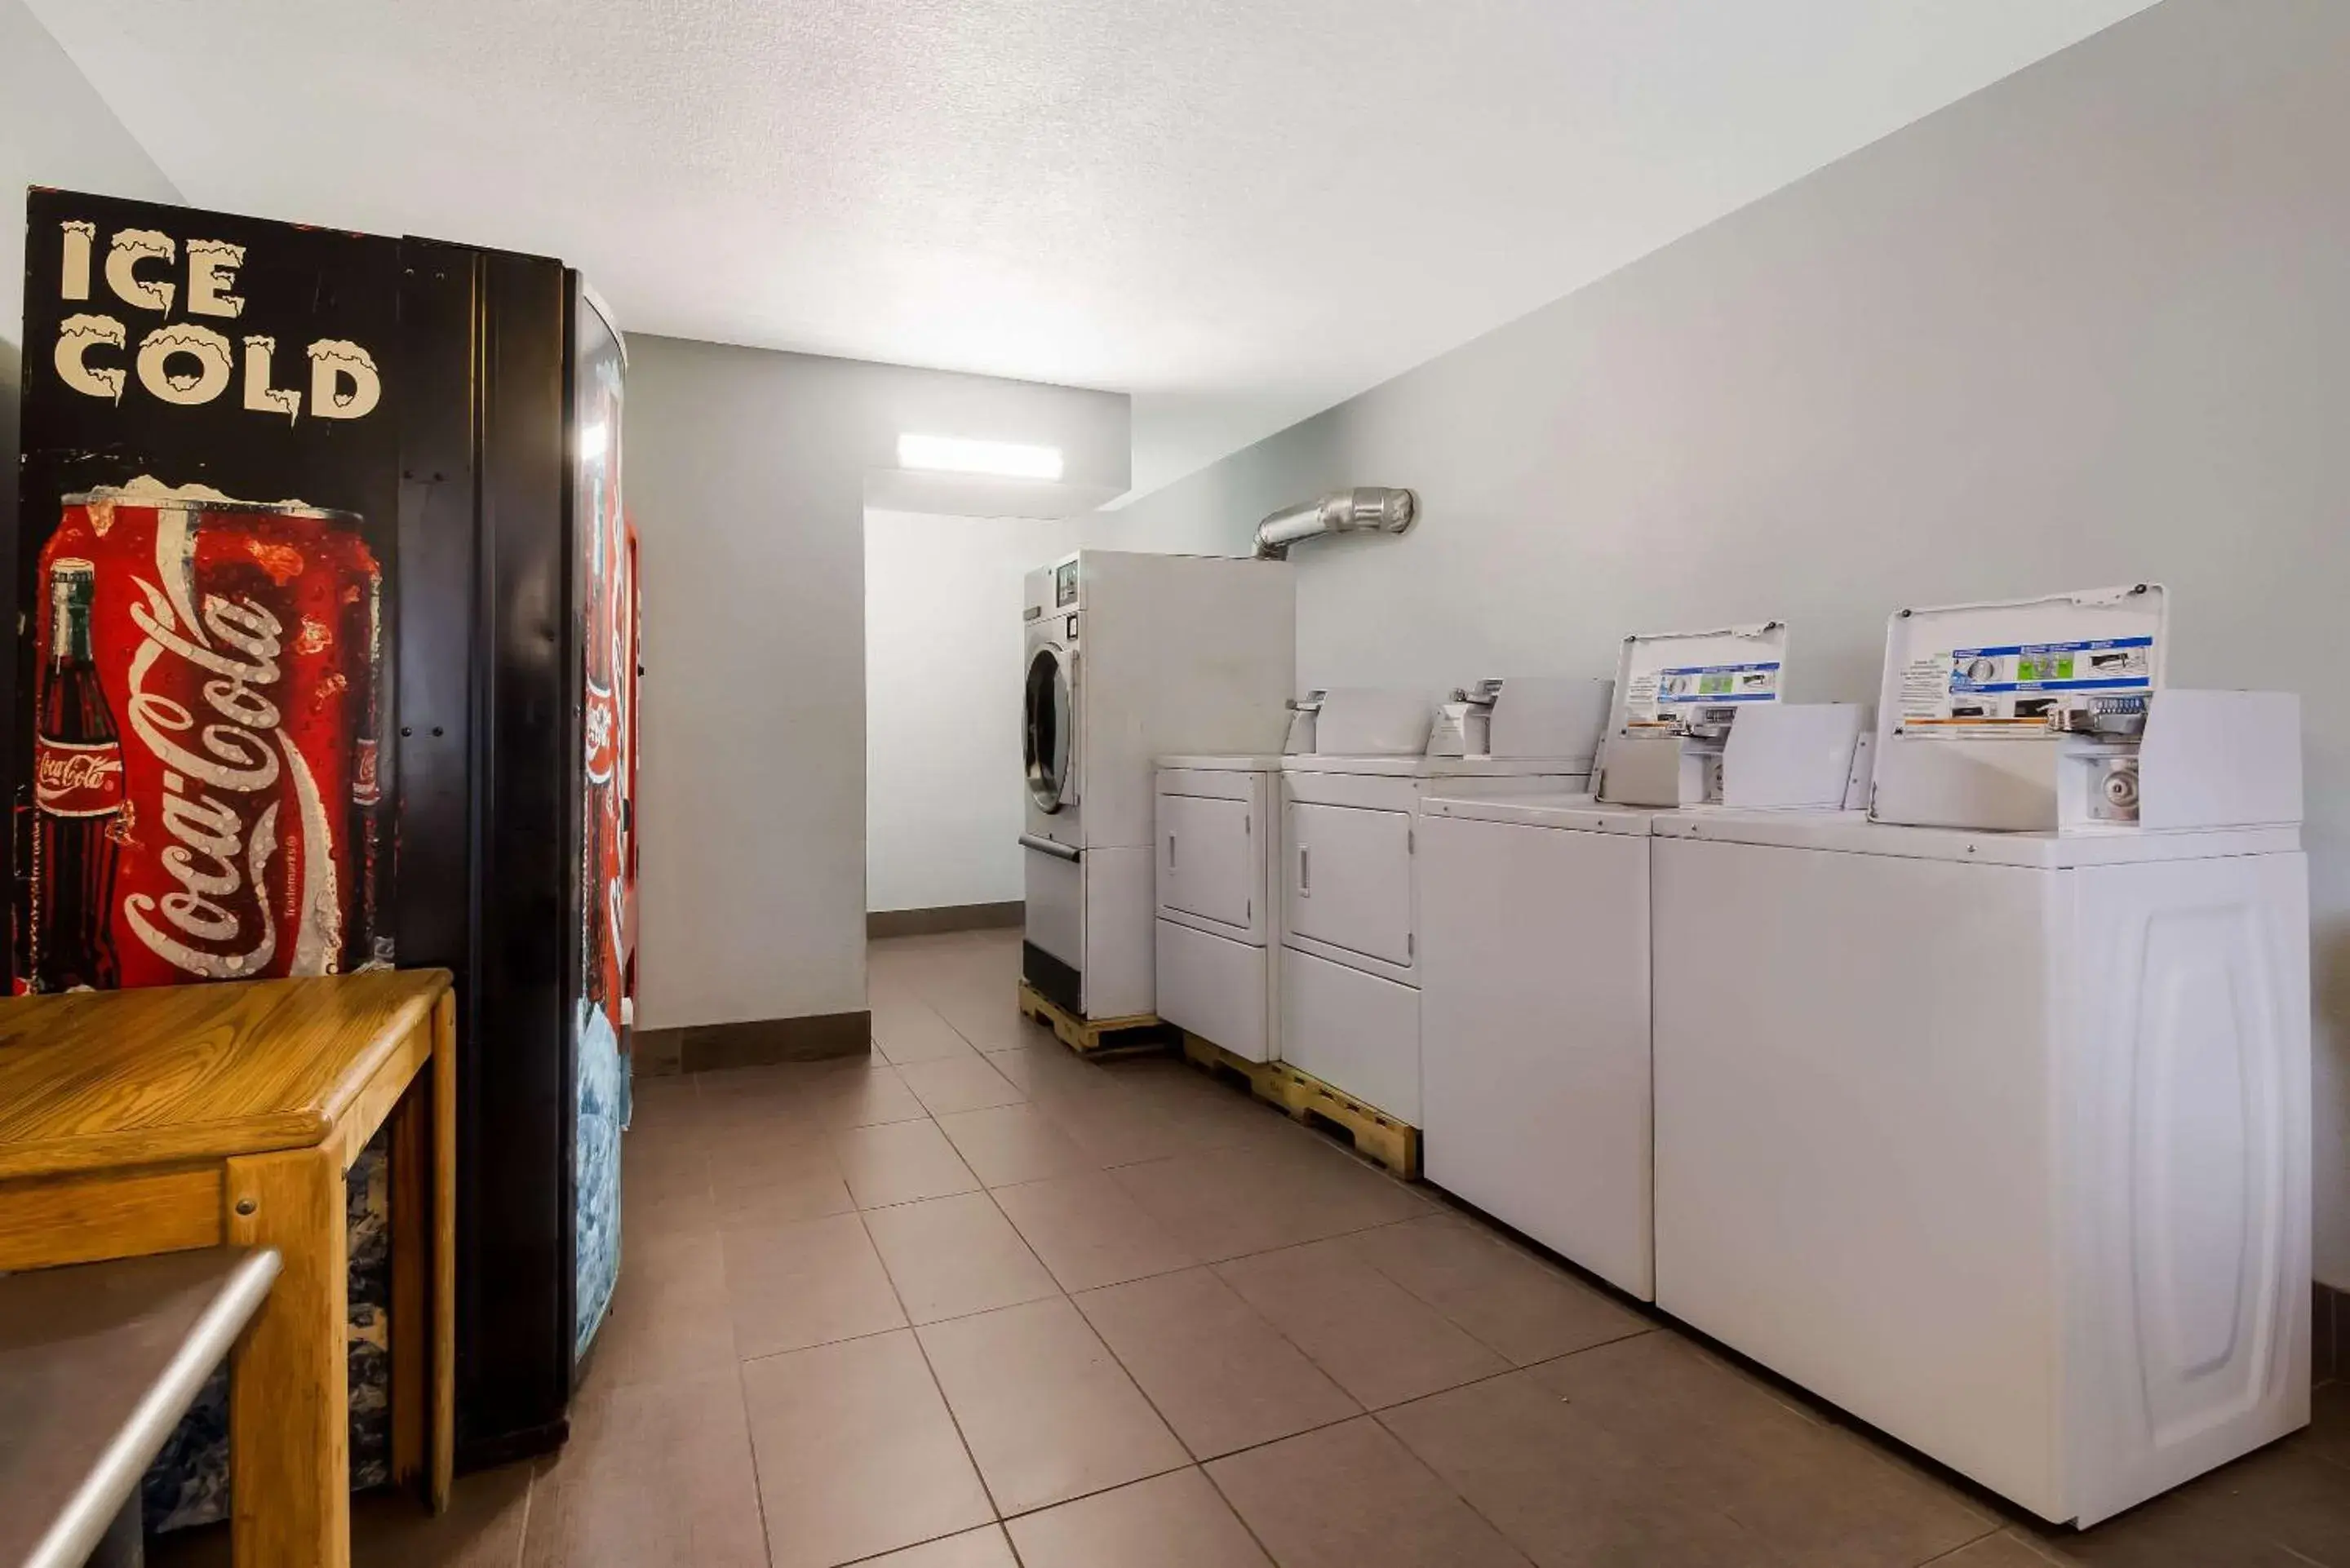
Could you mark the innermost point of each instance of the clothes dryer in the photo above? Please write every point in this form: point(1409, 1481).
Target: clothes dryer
point(1349, 969)
point(1127, 656)
point(1218, 945)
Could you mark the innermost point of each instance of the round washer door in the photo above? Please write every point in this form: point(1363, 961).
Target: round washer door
point(1048, 727)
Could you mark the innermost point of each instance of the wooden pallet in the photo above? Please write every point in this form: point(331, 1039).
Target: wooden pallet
point(1094, 1036)
point(1213, 1059)
point(1377, 1135)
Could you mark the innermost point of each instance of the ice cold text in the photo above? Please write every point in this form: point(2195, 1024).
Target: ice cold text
point(186, 362)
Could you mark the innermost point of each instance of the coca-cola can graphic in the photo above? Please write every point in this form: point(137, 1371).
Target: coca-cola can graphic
point(206, 799)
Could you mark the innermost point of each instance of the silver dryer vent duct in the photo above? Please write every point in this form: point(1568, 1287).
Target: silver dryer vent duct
point(1340, 512)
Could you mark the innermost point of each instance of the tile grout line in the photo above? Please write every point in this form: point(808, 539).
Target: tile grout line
point(522, 1536)
point(1466, 1501)
point(1064, 1292)
point(936, 1386)
point(2029, 1544)
point(946, 1404)
point(1374, 1413)
point(1092, 1492)
point(1235, 1510)
point(969, 1454)
point(1191, 1461)
point(994, 1524)
point(742, 1393)
point(1484, 1235)
point(1966, 1545)
point(1111, 1351)
point(758, 1489)
point(1060, 1290)
point(1364, 1410)
point(1367, 1410)
point(1445, 1482)
point(1992, 1526)
point(1214, 1269)
point(1272, 1328)
point(766, 1539)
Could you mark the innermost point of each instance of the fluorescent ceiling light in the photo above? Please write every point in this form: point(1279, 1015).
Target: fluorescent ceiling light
point(956, 454)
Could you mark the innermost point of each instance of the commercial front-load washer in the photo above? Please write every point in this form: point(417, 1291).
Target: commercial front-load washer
point(1127, 656)
point(1349, 971)
point(1988, 1119)
point(1218, 945)
point(1536, 964)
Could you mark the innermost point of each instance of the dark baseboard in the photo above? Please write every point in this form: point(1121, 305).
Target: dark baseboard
point(657, 1053)
point(2329, 1334)
point(951, 918)
point(532, 1441)
point(753, 1043)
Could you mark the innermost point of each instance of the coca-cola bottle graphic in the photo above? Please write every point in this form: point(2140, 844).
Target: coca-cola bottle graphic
point(77, 801)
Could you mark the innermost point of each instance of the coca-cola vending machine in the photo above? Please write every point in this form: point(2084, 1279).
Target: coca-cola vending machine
point(326, 657)
point(603, 584)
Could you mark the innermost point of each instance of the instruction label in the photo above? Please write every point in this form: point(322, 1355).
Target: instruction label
point(1984, 692)
point(1659, 699)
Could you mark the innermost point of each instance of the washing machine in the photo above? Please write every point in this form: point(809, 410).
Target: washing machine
point(1128, 656)
point(1986, 1116)
point(1534, 913)
point(1351, 965)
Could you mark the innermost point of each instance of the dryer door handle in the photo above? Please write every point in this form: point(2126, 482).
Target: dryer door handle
point(1046, 846)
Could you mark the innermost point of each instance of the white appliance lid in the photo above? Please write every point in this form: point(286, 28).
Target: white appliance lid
point(1662, 676)
point(1985, 672)
point(1387, 765)
point(1372, 721)
point(1238, 763)
point(1579, 813)
point(1851, 833)
point(1549, 716)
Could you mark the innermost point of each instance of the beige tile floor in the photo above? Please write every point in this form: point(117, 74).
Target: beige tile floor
point(976, 1304)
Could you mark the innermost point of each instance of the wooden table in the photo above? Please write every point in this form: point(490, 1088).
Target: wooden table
point(180, 1117)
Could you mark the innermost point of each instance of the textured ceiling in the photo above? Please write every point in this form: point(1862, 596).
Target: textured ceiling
point(1242, 211)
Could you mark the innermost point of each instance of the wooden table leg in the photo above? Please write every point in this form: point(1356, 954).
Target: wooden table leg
point(289, 1392)
point(444, 1249)
point(411, 1283)
point(423, 1145)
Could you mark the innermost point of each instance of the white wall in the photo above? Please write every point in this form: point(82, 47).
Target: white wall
point(748, 473)
point(54, 131)
point(2089, 325)
point(942, 678)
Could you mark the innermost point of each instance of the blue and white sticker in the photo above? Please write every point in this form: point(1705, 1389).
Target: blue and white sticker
point(2012, 691)
point(1662, 697)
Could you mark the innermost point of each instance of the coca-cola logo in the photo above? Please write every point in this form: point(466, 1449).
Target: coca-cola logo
point(73, 780)
point(602, 721)
point(221, 770)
